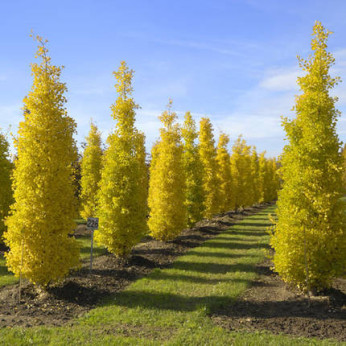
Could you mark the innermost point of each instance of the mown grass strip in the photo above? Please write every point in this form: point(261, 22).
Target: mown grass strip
point(171, 306)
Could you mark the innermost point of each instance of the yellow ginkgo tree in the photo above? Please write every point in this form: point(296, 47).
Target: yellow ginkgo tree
point(310, 234)
point(193, 171)
point(91, 172)
point(122, 206)
point(241, 173)
point(167, 181)
point(255, 171)
point(207, 152)
point(224, 175)
point(41, 217)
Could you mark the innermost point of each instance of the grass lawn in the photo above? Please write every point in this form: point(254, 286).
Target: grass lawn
point(7, 278)
point(171, 306)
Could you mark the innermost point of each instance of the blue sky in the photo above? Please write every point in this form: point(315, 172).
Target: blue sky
point(233, 61)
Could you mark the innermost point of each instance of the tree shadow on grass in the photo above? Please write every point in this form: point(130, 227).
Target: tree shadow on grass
point(223, 305)
point(169, 301)
point(192, 279)
point(259, 218)
point(254, 224)
point(239, 246)
point(230, 237)
point(251, 233)
point(217, 254)
point(214, 268)
point(210, 230)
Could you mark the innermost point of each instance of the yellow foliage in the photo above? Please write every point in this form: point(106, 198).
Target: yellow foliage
point(309, 238)
point(255, 180)
point(91, 173)
point(207, 152)
point(241, 174)
point(123, 187)
point(344, 167)
point(41, 218)
point(6, 194)
point(167, 181)
point(193, 172)
point(224, 175)
point(269, 182)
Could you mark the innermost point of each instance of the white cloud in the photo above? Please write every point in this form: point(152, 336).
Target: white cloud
point(209, 46)
point(281, 80)
point(225, 47)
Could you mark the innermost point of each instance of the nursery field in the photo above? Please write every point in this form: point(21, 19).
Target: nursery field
point(205, 296)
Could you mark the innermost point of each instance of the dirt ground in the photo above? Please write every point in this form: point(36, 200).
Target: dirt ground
point(270, 305)
point(82, 290)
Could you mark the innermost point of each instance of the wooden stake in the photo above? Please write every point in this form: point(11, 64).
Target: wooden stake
point(20, 273)
point(91, 250)
point(306, 268)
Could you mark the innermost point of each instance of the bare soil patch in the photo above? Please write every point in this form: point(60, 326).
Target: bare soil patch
point(84, 290)
point(270, 305)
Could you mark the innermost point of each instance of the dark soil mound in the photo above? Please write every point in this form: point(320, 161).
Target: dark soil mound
point(270, 305)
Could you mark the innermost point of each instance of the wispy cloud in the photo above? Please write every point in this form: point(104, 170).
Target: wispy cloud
point(200, 45)
point(237, 48)
point(281, 80)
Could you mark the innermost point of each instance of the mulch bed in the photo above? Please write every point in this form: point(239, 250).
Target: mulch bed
point(270, 305)
point(83, 290)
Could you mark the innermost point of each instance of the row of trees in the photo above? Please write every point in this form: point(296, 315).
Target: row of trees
point(188, 180)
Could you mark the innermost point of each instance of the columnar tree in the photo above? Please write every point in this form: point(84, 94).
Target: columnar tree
point(123, 185)
point(274, 179)
point(166, 201)
point(207, 152)
point(194, 194)
point(91, 172)
point(224, 174)
point(6, 194)
point(309, 238)
point(255, 186)
point(41, 217)
point(263, 178)
point(344, 167)
point(241, 173)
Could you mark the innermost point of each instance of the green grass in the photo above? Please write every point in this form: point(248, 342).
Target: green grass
point(172, 306)
point(7, 278)
point(80, 221)
point(84, 243)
